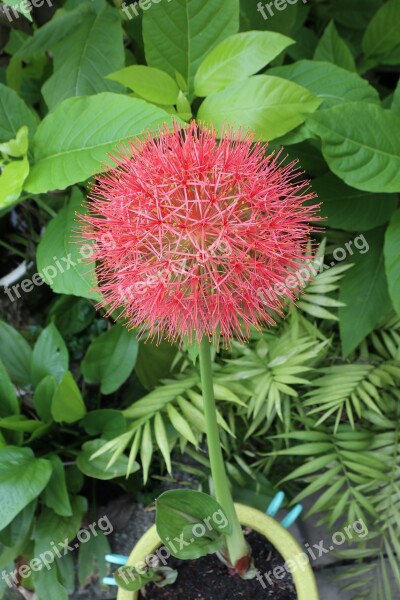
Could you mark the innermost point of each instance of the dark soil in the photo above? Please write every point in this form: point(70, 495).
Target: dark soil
point(208, 579)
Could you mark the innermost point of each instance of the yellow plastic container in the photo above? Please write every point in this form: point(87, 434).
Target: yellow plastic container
point(273, 531)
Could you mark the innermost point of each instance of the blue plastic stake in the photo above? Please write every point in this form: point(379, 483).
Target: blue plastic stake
point(116, 559)
point(109, 581)
point(292, 516)
point(275, 504)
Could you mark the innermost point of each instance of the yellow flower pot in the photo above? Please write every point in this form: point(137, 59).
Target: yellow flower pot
point(273, 531)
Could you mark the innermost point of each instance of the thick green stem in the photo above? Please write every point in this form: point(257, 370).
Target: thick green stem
point(235, 543)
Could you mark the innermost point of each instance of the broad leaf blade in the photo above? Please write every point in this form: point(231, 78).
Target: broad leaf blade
point(178, 35)
point(74, 141)
point(270, 106)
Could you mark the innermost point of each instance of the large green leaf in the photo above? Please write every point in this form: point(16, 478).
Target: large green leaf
point(352, 210)
point(364, 292)
point(50, 355)
point(154, 362)
point(382, 33)
point(178, 35)
point(332, 48)
point(51, 33)
point(22, 477)
point(329, 82)
point(110, 359)
point(8, 398)
point(16, 355)
point(12, 180)
point(98, 467)
point(361, 144)
point(14, 114)
point(392, 259)
point(236, 58)
point(184, 514)
point(51, 527)
point(83, 58)
point(270, 106)
point(92, 558)
point(62, 263)
point(73, 142)
point(67, 405)
point(149, 83)
point(354, 14)
point(56, 493)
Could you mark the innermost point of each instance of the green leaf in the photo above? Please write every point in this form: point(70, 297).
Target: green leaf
point(130, 579)
point(91, 562)
point(154, 362)
point(47, 583)
point(23, 478)
point(15, 354)
point(162, 439)
point(12, 179)
point(87, 130)
point(67, 405)
point(329, 82)
point(9, 404)
point(354, 14)
point(71, 314)
point(83, 58)
point(146, 450)
point(20, 423)
point(98, 467)
point(396, 99)
point(194, 28)
point(349, 209)
point(14, 114)
point(364, 291)
point(185, 514)
point(17, 532)
point(62, 263)
point(105, 422)
point(180, 424)
point(110, 359)
point(382, 33)
point(268, 105)
point(43, 397)
point(51, 33)
point(56, 493)
point(19, 146)
point(332, 48)
point(365, 157)
point(236, 58)
point(151, 84)
point(392, 259)
point(50, 355)
point(51, 527)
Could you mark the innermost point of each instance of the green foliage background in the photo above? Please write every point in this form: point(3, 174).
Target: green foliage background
point(310, 406)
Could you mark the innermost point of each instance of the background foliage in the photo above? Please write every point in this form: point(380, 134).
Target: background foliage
point(311, 405)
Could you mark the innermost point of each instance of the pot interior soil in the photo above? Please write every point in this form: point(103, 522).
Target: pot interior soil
point(208, 579)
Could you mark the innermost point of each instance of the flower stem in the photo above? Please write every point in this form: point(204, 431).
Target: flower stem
point(236, 544)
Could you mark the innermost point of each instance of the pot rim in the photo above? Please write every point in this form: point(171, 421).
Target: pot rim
point(278, 536)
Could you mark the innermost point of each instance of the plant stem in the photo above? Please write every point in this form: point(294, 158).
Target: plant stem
point(235, 543)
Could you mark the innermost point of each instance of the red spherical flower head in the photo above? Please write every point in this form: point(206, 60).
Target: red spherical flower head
point(196, 236)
